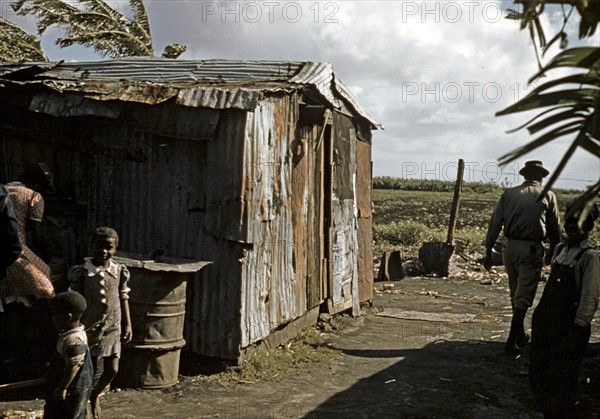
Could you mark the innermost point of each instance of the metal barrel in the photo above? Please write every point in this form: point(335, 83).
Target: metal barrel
point(157, 306)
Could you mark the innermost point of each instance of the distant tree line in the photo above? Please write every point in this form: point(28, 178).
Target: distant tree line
point(434, 185)
point(430, 185)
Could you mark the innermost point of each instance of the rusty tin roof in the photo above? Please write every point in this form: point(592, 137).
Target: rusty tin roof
point(217, 84)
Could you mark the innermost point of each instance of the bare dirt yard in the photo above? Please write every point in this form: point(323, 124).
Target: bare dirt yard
point(428, 348)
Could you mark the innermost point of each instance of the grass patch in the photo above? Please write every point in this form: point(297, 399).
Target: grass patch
point(405, 219)
point(306, 349)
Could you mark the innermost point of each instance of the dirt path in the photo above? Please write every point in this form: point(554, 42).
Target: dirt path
point(387, 367)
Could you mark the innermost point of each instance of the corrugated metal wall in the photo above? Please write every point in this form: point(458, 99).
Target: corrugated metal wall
point(272, 292)
point(248, 197)
point(184, 198)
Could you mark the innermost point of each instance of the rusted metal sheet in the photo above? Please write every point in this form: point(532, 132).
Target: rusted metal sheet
point(343, 215)
point(171, 120)
point(341, 88)
point(155, 80)
point(344, 255)
point(307, 211)
point(272, 293)
point(364, 220)
point(226, 216)
point(219, 98)
point(365, 259)
point(72, 104)
point(364, 185)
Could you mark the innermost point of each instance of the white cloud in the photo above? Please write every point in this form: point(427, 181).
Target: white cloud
point(433, 73)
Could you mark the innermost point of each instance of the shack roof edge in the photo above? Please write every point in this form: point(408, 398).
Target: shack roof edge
point(230, 75)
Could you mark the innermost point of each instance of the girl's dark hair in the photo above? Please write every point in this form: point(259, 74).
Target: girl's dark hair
point(105, 233)
point(69, 302)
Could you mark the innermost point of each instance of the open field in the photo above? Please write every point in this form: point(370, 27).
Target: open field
point(405, 219)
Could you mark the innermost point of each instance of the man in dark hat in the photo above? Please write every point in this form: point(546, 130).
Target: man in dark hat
point(528, 219)
point(561, 322)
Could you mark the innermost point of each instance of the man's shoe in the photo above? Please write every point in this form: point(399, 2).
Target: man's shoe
point(523, 340)
point(511, 348)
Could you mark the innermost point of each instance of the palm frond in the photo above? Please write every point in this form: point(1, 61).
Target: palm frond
point(583, 57)
point(18, 45)
point(535, 118)
point(93, 23)
point(580, 97)
point(568, 105)
point(585, 202)
point(533, 145)
point(563, 162)
point(140, 17)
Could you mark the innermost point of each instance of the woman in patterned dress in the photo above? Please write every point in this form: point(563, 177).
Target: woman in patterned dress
point(26, 330)
point(29, 276)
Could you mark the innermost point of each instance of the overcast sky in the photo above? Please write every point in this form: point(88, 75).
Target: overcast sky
point(432, 73)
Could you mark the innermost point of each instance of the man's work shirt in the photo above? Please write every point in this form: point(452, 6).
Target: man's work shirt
point(524, 217)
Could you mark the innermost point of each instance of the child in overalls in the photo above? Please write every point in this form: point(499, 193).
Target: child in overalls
point(103, 283)
point(561, 322)
point(69, 379)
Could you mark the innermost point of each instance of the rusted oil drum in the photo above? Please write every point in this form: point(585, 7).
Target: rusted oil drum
point(157, 305)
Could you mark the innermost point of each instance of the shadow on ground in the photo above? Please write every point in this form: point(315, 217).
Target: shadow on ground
point(451, 379)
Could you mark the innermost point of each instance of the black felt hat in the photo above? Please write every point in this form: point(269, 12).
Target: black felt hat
point(533, 168)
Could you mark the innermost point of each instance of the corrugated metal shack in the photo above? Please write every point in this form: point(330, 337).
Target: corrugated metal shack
point(263, 168)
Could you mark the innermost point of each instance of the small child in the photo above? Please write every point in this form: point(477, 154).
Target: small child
point(107, 322)
point(69, 379)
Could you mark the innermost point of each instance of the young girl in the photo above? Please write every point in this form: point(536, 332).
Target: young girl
point(107, 322)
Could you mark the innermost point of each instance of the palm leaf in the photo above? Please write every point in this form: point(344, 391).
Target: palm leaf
point(590, 146)
point(93, 23)
point(578, 97)
point(538, 116)
point(532, 145)
point(556, 118)
point(514, 14)
point(140, 17)
point(584, 57)
point(18, 45)
point(589, 78)
point(564, 110)
point(563, 162)
point(584, 203)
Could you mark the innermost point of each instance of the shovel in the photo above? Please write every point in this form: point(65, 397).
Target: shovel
point(436, 255)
